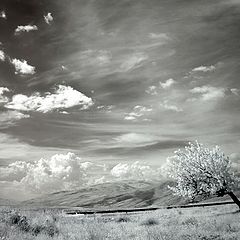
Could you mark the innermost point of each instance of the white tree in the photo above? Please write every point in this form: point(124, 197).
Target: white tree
point(200, 171)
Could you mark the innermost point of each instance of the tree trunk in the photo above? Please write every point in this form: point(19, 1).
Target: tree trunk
point(234, 198)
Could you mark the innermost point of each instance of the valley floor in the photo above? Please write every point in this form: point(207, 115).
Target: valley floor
point(204, 223)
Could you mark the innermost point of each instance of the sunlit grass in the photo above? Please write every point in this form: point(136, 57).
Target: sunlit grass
point(209, 223)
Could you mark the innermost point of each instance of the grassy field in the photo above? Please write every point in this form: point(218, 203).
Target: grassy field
point(205, 223)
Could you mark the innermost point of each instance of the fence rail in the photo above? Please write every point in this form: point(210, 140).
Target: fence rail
point(133, 210)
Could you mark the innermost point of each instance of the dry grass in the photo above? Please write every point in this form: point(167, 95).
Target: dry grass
point(209, 223)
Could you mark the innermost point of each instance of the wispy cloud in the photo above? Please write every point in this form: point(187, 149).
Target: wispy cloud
point(63, 97)
point(159, 36)
point(48, 18)
point(168, 83)
point(26, 28)
point(136, 139)
point(10, 118)
point(133, 61)
point(235, 91)
point(22, 67)
point(166, 105)
point(204, 69)
point(138, 113)
point(208, 92)
point(152, 90)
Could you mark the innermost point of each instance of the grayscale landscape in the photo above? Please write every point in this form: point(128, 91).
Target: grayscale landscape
point(119, 119)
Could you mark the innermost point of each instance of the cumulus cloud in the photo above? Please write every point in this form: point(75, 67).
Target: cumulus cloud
point(137, 113)
point(2, 56)
point(63, 97)
point(60, 172)
point(133, 61)
point(135, 171)
point(3, 98)
point(152, 90)
point(208, 92)
point(48, 18)
point(68, 171)
point(3, 15)
point(170, 107)
point(10, 118)
point(204, 69)
point(26, 28)
point(22, 67)
point(168, 83)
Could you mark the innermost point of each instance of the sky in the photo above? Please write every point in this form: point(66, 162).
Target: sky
point(99, 90)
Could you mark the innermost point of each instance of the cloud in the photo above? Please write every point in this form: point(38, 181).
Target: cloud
point(22, 67)
point(2, 56)
point(133, 61)
point(63, 97)
point(67, 172)
point(59, 172)
point(170, 107)
point(161, 36)
point(152, 90)
point(10, 118)
point(137, 113)
point(3, 15)
point(168, 83)
point(208, 92)
point(136, 139)
point(204, 69)
point(26, 28)
point(107, 108)
point(135, 171)
point(235, 91)
point(3, 99)
point(48, 18)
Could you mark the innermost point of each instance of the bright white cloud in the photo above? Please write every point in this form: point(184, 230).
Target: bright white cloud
point(204, 69)
point(3, 98)
point(136, 138)
point(135, 171)
point(68, 171)
point(133, 61)
point(26, 28)
point(152, 90)
point(168, 83)
point(208, 92)
point(10, 118)
point(170, 107)
point(48, 18)
point(60, 172)
point(22, 67)
point(2, 56)
point(3, 15)
point(63, 97)
point(137, 112)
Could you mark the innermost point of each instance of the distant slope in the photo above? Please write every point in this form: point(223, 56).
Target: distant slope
point(7, 202)
point(125, 194)
point(130, 194)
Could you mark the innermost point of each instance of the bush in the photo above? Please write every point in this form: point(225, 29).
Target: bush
point(150, 222)
point(23, 224)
